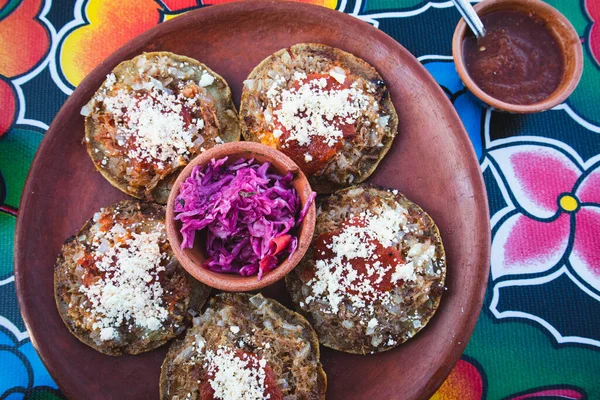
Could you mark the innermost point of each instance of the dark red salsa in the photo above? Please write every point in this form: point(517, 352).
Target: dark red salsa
point(519, 61)
point(387, 258)
point(318, 149)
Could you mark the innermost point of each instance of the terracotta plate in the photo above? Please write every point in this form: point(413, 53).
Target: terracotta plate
point(431, 161)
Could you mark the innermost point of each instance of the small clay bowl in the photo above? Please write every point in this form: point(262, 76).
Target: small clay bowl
point(192, 259)
point(562, 30)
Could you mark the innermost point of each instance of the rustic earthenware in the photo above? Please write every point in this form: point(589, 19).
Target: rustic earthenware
point(192, 259)
point(431, 161)
point(568, 40)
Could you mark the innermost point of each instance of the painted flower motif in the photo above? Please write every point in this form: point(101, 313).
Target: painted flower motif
point(552, 393)
point(19, 23)
point(558, 218)
point(593, 10)
point(9, 106)
point(106, 25)
point(178, 5)
point(546, 239)
point(23, 375)
point(465, 382)
point(468, 381)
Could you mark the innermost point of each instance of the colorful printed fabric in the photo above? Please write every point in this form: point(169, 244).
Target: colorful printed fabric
point(538, 336)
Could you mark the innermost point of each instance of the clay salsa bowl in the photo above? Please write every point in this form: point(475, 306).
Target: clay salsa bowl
point(192, 259)
point(562, 30)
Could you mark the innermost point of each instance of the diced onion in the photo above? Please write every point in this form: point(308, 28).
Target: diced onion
point(283, 383)
point(291, 327)
point(268, 324)
point(383, 121)
point(86, 111)
point(257, 301)
point(303, 352)
point(185, 354)
point(103, 248)
point(376, 340)
point(285, 57)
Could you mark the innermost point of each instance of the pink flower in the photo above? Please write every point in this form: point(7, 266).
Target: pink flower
point(466, 382)
point(593, 10)
point(566, 393)
point(557, 216)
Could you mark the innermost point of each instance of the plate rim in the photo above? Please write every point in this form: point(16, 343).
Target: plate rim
point(483, 258)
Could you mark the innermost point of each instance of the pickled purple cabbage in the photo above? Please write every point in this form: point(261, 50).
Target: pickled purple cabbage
point(247, 213)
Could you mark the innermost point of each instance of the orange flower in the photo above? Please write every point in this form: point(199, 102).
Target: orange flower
point(111, 25)
point(464, 382)
point(9, 106)
point(178, 5)
point(24, 40)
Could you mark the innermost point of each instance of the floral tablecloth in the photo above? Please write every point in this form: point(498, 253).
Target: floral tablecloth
point(538, 335)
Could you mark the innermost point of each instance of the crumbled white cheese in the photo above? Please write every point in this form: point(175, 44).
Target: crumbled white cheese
point(383, 121)
point(206, 80)
point(111, 79)
point(299, 75)
point(129, 291)
point(151, 126)
point(234, 329)
point(338, 75)
point(422, 253)
point(310, 110)
point(405, 272)
point(108, 333)
point(232, 377)
point(308, 158)
point(335, 279)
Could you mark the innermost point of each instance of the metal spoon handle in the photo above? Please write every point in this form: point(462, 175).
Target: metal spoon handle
point(470, 16)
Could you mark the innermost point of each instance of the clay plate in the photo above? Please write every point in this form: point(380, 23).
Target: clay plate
point(432, 162)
